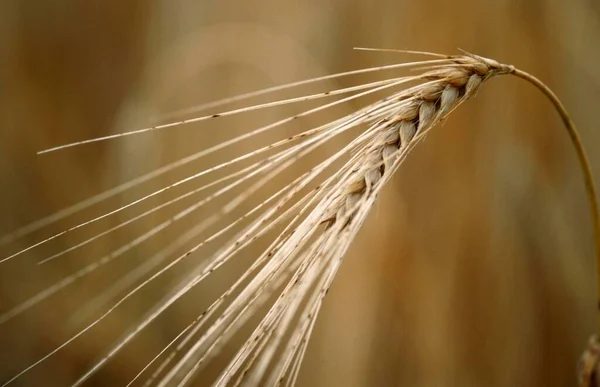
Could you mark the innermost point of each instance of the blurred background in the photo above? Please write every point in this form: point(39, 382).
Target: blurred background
point(475, 266)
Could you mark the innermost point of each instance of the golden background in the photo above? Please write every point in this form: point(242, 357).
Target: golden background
point(475, 267)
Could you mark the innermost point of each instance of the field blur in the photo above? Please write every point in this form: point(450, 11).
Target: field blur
point(475, 267)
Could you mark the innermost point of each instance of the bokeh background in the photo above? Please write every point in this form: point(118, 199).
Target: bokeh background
point(475, 268)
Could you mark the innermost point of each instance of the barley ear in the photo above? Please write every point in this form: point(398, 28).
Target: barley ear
point(589, 364)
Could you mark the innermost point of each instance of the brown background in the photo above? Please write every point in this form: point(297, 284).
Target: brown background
point(475, 268)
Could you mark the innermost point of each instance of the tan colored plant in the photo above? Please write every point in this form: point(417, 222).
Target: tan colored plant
point(315, 218)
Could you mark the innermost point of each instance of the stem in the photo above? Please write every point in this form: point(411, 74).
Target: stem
point(584, 163)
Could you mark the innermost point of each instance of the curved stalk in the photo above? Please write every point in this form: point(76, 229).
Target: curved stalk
point(584, 162)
